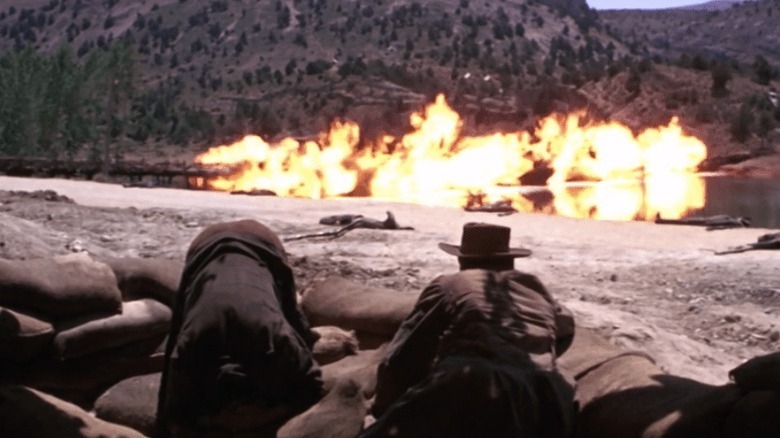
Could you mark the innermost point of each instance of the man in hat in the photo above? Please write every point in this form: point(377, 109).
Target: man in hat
point(476, 357)
point(238, 356)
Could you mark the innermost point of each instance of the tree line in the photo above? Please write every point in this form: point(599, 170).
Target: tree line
point(59, 106)
point(53, 105)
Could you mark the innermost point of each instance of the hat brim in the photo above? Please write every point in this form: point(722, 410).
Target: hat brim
point(512, 252)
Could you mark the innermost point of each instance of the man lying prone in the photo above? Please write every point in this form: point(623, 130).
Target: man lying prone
point(238, 357)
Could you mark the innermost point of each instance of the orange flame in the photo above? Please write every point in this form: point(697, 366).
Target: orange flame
point(436, 164)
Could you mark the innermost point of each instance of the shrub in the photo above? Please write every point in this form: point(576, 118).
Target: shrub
point(721, 75)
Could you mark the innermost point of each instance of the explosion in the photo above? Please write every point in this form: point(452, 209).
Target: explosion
point(640, 175)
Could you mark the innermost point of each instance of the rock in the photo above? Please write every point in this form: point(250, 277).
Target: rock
point(75, 246)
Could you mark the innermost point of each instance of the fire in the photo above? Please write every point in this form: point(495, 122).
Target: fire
point(436, 164)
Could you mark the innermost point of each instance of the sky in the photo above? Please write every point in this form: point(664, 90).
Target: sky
point(634, 4)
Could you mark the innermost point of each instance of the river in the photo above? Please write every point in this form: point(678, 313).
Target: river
point(671, 197)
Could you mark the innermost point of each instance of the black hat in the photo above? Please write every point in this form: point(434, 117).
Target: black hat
point(481, 240)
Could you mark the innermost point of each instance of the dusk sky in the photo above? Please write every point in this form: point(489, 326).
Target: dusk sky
point(627, 4)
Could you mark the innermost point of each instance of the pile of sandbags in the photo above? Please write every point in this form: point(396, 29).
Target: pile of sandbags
point(72, 326)
point(623, 393)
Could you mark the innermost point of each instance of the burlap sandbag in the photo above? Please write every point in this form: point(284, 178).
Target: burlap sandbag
point(359, 368)
point(131, 402)
point(83, 379)
point(355, 306)
point(629, 396)
point(139, 320)
point(333, 344)
point(587, 351)
point(147, 278)
point(339, 414)
point(57, 287)
point(25, 412)
point(22, 337)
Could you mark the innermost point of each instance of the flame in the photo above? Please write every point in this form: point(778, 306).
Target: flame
point(436, 164)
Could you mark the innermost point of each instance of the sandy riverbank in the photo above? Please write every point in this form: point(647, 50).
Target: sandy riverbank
point(655, 287)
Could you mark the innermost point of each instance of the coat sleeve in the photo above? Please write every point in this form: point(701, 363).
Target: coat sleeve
point(412, 351)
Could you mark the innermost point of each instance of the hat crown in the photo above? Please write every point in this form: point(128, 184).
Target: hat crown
point(484, 239)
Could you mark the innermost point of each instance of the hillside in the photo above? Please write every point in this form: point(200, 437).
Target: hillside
point(740, 32)
point(207, 72)
point(714, 5)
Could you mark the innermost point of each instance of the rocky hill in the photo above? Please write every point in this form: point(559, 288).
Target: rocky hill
point(714, 5)
point(740, 32)
point(195, 73)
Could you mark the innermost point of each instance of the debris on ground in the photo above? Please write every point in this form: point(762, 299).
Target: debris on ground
point(476, 202)
point(766, 241)
point(254, 192)
point(350, 222)
point(716, 222)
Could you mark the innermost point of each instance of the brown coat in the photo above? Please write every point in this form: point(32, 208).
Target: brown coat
point(237, 337)
point(476, 357)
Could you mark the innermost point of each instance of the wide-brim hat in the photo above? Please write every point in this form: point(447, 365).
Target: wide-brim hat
point(481, 240)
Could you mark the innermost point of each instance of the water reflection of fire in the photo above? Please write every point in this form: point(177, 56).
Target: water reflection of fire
point(670, 195)
point(436, 164)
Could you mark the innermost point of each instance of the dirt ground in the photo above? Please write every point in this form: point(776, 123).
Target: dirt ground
point(658, 288)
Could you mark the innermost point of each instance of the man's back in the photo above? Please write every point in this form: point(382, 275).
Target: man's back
point(481, 341)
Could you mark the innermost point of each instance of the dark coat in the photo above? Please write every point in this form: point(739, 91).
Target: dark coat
point(237, 334)
point(476, 357)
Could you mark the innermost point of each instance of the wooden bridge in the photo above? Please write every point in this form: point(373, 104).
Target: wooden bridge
point(137, 172)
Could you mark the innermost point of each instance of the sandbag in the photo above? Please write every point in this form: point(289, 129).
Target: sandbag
point(147, 278)
point(588, 350)
point(131, 402)
point(22, 337)
point(339, 414)
point(359, 368)
point(58, 287)
point(762, 372)
point(83, 379)
point(25, 412)
point(333, 344)
point(140, 319)
point(355, 306)
point(629, 396)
